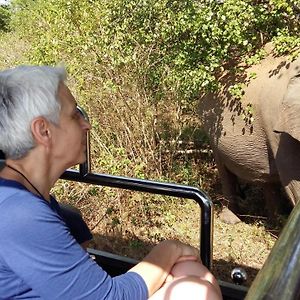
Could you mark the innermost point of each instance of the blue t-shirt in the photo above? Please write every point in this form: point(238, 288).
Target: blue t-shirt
point(40, 259)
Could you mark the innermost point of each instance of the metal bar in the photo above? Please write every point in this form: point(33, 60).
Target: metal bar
point(154, 187)
point(85, 167)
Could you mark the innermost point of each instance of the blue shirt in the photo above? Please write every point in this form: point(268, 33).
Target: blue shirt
point(39, 258)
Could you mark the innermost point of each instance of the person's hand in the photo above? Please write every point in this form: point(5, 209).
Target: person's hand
point(186, 252)
point(180, 251)
point(188, 258)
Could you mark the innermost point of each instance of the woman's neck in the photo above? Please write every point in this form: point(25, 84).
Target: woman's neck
point(36, 180)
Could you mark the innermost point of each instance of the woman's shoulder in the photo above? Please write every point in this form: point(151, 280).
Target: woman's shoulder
point(17, 203)
point(11, 189)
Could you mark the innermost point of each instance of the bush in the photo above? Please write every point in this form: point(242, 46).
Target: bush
point(5, 15)
point(177, 45)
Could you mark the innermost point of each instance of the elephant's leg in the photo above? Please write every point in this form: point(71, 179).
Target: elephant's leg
point(229, 184)
point(292, 190)
point(288, 166)
point(229, 188)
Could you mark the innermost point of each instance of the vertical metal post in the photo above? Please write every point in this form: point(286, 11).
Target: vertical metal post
point(85, 168)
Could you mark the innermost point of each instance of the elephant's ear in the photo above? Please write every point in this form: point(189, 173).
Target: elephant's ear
point(289, 110)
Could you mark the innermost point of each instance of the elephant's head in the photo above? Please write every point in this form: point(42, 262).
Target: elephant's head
point(289, 110)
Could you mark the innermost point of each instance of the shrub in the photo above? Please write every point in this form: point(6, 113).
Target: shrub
point(175, 46)
point(5, 14)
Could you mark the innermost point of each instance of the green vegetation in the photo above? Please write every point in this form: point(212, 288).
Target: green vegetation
point(5, 14)
point(173, 47)
point(137, 67)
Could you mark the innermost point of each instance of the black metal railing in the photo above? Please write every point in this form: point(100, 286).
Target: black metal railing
point(161, 188)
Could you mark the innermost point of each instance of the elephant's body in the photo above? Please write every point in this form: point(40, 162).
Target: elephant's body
point(251, 149)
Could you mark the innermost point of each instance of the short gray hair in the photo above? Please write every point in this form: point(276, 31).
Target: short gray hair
point(27, 92)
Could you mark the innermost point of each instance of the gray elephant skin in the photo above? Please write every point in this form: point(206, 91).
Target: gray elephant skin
point(263, 147)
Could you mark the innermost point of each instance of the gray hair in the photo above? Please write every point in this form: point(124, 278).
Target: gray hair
point(27, 92)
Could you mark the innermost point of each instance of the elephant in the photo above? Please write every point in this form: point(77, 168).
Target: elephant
point(257, 138)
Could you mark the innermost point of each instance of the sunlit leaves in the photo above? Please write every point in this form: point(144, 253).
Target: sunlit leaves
point(173, 46)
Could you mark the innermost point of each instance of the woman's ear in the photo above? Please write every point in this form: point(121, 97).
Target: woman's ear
point(289, 110)
point(41, 131)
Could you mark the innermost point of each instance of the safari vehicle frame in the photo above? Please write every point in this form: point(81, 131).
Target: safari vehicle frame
point(278, 279)
point(115, 264)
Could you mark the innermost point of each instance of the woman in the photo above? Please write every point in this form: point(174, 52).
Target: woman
point(42, 134)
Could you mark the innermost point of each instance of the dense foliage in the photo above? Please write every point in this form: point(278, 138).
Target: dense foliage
point(4, 17)
point(173, 46)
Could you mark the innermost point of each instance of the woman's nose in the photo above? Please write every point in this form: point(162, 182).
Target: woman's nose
point(86, 124)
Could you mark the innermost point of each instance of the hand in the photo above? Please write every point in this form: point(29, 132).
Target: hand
point(188, 258)
point(186, 252)
point(180, 251)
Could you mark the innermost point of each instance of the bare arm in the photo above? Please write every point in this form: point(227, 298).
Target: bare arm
point(156, 266)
